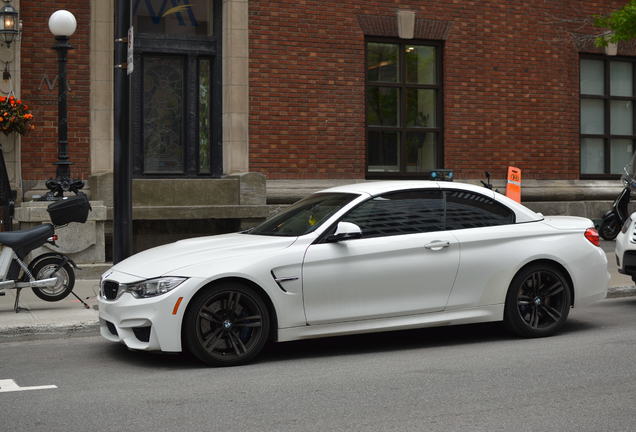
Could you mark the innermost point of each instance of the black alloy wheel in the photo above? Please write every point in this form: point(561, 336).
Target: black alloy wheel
point(227, 325)
point(610, 227)
point(538, 301)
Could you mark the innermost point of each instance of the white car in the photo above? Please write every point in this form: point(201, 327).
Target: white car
point(360, 258)
point(625, 248)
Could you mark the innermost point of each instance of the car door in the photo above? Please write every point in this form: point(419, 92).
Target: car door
point(491, 245)
point(404, 264)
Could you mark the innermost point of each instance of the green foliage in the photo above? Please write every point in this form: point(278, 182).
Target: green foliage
point(621, 23)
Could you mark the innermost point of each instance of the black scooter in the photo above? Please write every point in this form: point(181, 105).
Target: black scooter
point(613, 220)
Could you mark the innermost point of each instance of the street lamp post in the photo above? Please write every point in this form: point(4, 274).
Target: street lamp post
point(62, 24)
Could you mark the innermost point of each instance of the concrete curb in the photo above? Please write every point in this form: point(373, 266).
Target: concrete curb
point(623, 291)
point(16, 334)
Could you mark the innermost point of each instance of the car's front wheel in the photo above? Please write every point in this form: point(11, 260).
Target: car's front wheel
point(226, 325)
point(538, 301)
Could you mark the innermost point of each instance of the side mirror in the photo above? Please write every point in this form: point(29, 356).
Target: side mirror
point(345, 231)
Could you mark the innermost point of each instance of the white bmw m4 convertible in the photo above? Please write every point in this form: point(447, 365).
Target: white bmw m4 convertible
point(360, 258)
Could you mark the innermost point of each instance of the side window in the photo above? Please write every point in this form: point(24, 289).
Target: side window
point(399, 213)
point(472, 210)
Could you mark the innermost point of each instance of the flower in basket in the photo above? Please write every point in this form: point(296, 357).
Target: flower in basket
point(15, 116)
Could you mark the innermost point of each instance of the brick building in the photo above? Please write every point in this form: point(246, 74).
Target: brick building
point(310, 93)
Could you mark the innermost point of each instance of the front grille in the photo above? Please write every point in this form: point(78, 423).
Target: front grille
point(629, 262)
point(111, 328)
point(109, 290)
point(142, 333)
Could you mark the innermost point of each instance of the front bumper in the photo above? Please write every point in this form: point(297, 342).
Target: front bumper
point(151, 324)
point(625, 249)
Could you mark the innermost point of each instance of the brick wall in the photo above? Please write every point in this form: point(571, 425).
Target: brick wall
point(39, 61)
point(510, 85)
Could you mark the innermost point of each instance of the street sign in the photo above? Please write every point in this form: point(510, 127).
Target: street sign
point(513, 185)
point(130, 56)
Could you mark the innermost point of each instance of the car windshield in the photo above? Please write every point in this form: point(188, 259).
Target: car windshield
point(305, 216)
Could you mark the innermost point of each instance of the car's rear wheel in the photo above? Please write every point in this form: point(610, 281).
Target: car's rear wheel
point(538, 301)
point(227, 325)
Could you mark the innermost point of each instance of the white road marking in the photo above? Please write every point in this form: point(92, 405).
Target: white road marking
point(8, 385)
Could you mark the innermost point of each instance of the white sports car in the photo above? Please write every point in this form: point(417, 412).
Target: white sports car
point(360, 258)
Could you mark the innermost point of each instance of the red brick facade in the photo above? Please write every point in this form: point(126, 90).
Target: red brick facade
point(510, 85)
point(510, 82)
point(39, 64)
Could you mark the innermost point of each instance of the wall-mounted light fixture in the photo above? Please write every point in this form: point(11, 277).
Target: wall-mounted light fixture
point(9, 23)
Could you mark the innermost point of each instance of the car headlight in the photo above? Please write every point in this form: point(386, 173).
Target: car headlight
point(152, 287)
point(626, 225)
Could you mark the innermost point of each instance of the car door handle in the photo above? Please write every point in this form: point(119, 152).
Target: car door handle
point(437, 245)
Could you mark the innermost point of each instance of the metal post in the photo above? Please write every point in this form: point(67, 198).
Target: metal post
point(62, 181)
point(63, 169)
point(122, 193)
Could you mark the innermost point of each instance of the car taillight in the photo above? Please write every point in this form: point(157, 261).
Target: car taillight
point(592, 235)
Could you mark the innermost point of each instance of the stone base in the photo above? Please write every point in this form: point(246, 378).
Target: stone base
point(83, 243)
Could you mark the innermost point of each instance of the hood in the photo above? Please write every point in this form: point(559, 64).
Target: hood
point(168, 259)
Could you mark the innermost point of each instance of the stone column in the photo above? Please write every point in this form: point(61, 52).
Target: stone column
point(101, 65)
point(235, 86)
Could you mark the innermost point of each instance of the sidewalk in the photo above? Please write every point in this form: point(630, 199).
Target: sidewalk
point(65, 317)
point(69, 317)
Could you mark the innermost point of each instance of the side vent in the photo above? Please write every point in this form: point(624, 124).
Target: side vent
point(280, 280)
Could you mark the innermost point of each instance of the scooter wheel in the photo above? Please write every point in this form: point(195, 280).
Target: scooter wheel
point(48, 268)
point(610, 227)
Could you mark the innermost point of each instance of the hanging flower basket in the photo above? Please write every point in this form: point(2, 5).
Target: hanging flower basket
point(15, 116)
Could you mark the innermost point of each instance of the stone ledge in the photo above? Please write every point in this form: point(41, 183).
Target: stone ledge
point(290, 191)
point(198, 212)
point(35, 211)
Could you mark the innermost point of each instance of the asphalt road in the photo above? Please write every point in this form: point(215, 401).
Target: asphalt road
point(465, 378)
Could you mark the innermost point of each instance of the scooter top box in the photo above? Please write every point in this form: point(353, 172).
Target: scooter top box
point(69, 209)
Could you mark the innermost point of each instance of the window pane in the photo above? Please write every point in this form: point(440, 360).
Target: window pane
point(471, 210)
point(621, 154)
point(420, 108)
point(592, 116)
point(382, 106)
point(592, 156)
point(621, 79)
point(399, 213)
point(383, 151)
point(621, 117)
point(163, 114)
point(592, 81)
point(194, 17)
point(420, 64)
point(382, 62)
point(420, 152)
point(204, 116)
